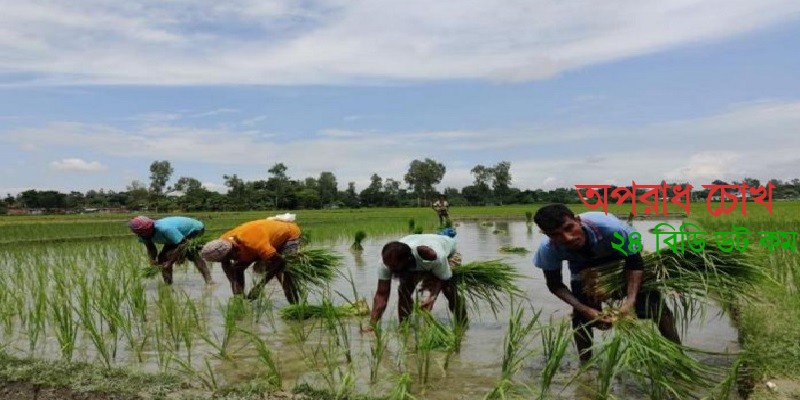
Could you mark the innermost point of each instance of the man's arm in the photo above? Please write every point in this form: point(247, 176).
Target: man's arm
point(379, 303)
point(634, 265)
point(152, 251)
point(555, 284)
point(435, 287)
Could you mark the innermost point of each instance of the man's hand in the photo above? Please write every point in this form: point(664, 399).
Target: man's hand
point(427, 303)
point(154, 263)
point(626, 308)
point(602, 322)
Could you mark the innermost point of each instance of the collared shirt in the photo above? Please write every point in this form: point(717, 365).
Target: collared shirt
point(172, 230)
point(261, 239)
point(443, 246)
point(599, 229)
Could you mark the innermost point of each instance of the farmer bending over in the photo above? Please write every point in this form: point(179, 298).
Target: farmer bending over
point(585, 241)
point(174, 233)
point(425, 258)
point(261, 242)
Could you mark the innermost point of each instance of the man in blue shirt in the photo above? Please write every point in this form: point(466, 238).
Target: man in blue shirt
point(174, 233)
point(585, 241)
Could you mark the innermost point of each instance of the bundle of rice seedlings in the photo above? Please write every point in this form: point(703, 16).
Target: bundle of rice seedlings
point(486, 281)
point(663, 369)
point(411, 224)
point(180, 255)
point(712, 273)
point(359, 237)
point(304, 311)
point(436, 335)
point(528, 217)
point(512, 249)
point(150, 271)
point(312, 267)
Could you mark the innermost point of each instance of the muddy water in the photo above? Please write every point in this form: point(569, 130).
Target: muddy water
point(472, 372)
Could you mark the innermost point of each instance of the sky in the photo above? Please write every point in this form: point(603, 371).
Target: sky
point(579, 92)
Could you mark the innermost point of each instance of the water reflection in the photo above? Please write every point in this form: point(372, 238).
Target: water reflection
point(470, 374)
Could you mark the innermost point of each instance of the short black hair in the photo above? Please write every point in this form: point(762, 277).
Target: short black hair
point(396, 250)
point(552, 216)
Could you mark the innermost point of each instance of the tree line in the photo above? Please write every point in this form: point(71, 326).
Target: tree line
point(492, 185)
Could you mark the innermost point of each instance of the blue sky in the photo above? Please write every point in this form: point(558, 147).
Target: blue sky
point(569, 93)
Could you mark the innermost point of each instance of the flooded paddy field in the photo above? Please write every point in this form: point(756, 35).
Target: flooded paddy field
point(88, 302)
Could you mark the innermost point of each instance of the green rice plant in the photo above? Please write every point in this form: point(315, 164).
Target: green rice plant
point(514, 250)
point(694, 276)
point(37, 312)
point(660, 367)
point(302, 310)
point(486, 282)
point(528, 217)
point(207, 378)
point(232, 312)
point(66, 326)
point(313, 267)
point(411, 225)
point(517, 341)
point(555, 341)
point(267, 358)
point(506, 389)
point(401, 389)
point(376, 351)
point(359, 237)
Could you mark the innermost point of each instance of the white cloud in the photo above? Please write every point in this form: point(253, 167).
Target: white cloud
point(757, 140)
point(77, 164)
point(335, 41)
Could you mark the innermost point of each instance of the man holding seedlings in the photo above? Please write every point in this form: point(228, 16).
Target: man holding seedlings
point(175, 233)
point(425, 258)
point(262, 242)
point(585, 241)
point(441, 206)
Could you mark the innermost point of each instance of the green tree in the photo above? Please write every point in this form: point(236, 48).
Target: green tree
point(422, 176)
point(160, 172)
point(278, 182)
point(237, 194)
point(391, 192)
point(137, 195)
point(328, 188)
point(372, 195)
point(501, 182)
point(480, 192)
point(193, 193)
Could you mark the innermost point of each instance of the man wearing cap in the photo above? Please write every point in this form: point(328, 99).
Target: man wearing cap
point(262, 242)
point(425, 258)
point(174, 233)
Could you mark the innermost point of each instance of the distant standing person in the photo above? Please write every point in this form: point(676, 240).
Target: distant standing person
point(174, 233)
point(441, 206)
point(262, 243)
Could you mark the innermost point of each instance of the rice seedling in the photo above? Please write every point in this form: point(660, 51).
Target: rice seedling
point(66, 326)
point(528, 217)
point(376, 352)
point(267, 358)
point(302, 311)
point(313, 267)
point(486, 282)
point(555, 341)
point(401, 389)
point(411, 225)
point(359, 237)
point(660, 367)
point(517, 341)
point(695, 276)
point(208, 378)
point(514, 250)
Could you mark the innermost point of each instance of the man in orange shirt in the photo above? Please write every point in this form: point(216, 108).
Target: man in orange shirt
point(261, 242)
